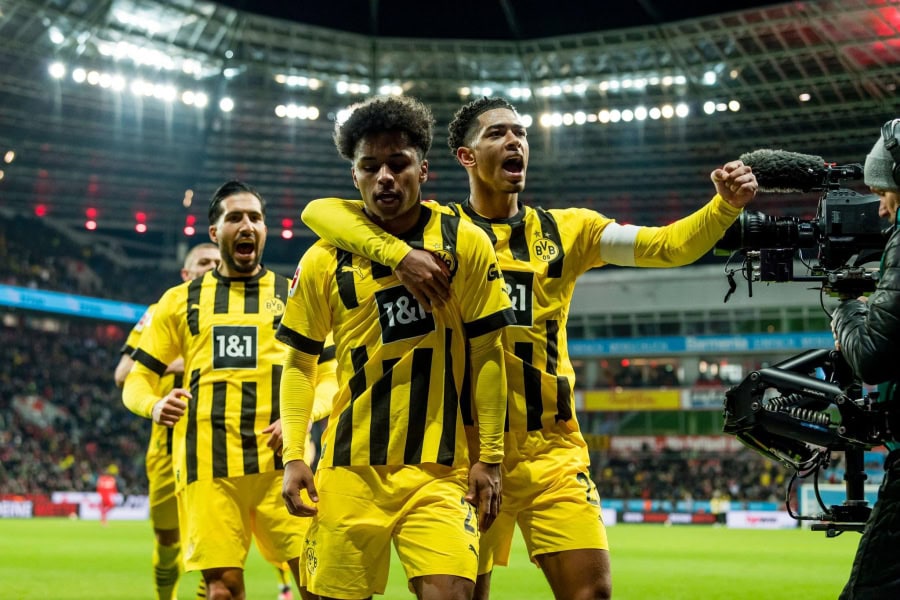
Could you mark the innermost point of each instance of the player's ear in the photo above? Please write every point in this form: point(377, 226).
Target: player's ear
point(465, 156)
point(353, 175)
point(214, 234)
point(423, 172)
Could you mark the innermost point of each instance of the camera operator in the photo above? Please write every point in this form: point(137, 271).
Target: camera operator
point(868, 335)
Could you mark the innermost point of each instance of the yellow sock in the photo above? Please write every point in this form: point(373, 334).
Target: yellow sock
point(166, 569)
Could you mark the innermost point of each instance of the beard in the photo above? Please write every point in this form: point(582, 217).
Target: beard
point(242, 267)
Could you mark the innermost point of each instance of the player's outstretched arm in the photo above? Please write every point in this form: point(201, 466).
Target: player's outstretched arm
point(689, 238)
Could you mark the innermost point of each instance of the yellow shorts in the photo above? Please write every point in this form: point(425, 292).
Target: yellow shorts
point(362, 509)
point(161, 477)
point(548, 491)
point(218, 516)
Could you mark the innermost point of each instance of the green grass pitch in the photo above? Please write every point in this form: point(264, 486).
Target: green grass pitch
point(70, 559)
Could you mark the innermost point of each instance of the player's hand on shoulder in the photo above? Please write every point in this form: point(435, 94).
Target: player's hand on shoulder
point(170, 408)
point(736, 183)
point(426, 277)
point(298, 477)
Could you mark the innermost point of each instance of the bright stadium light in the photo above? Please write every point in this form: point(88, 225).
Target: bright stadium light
point(526, 120)
point(682, 110)
point(709, 107)
point(201, 100)
point(57, 70)
point(79, 75)
point(226, 104)
point(56, 36)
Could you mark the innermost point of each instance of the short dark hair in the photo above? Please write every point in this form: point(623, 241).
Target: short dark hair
point(463, 124)
point(227, 189)
point(386, 113)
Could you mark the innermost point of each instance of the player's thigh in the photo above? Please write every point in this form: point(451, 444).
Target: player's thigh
point(279, 535)
point(438, 531)
point(576, 574)
point(215, 524)
point(565, 515)
point(348, 545)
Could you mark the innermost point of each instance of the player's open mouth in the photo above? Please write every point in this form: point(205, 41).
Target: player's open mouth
point(514, 165)
point(245, 248)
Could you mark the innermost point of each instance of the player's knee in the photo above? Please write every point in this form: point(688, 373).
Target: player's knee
point(482, 587)
point(166, 537)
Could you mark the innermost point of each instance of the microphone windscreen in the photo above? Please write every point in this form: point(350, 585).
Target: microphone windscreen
point(783, 171)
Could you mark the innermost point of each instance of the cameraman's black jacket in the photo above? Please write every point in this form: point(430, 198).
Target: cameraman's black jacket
point(869, 333)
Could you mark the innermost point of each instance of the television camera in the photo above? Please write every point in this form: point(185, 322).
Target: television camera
point(789, 412)
point(846, 232)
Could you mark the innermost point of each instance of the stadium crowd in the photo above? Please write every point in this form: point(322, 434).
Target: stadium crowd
point(60, 263)
point(62, 421)
point(681, 476)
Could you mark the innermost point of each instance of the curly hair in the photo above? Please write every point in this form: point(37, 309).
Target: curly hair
point(386, 113)
point(462, 126)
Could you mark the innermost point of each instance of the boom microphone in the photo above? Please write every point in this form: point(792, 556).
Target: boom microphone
point(783, 171)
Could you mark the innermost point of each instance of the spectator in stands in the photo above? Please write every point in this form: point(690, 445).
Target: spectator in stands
point(868, 335)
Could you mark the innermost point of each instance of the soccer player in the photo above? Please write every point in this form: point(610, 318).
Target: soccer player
point(394, 455)
point(158, 462)
point(547, 487)
point(227, 432)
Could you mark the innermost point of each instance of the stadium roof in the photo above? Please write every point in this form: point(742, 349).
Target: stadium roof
point(487, 19)
point(125, 109)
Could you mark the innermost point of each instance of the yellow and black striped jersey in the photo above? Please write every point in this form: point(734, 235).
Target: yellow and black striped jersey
point(401, 370)
point(541, 254)
point(225, 330)
point(160, 435)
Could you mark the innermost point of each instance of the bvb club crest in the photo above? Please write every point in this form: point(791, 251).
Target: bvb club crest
point(275, 306)
point(449, 259)
point(545, 250)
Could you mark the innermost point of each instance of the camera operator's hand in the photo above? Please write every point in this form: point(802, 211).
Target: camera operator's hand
point(736, 183)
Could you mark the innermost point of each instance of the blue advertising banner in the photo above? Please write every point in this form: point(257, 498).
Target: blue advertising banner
point(70, 304)
point(698, 344)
